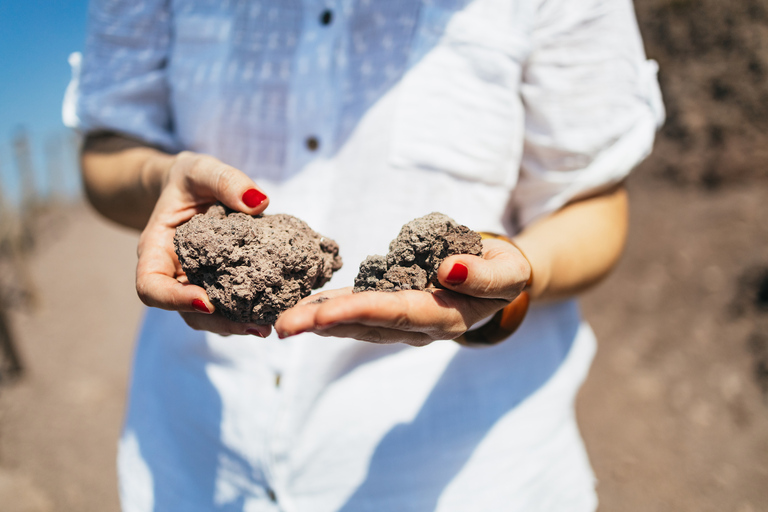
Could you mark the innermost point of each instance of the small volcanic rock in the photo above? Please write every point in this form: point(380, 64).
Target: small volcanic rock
point(416, 254)
point(254, 268)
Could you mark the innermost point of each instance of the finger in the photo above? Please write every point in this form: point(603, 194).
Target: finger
point(301, 317)
point(298, 319)
point(323, 296)
point(220, 325)
point(379, 335)
point(156, 283)
point(226, 183)
point(399, 310)
point(500, 274)
point(409, 311)
point(164, 292)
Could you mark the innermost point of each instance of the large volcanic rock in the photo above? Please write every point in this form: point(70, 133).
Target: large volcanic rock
point(254, 268)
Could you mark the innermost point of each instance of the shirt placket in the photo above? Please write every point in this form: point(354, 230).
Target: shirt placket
point(275, 441)
point(313, 120)
point(313, 101)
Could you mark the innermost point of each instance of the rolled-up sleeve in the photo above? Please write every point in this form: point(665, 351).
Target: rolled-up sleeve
point(592, 104)
point(121, 84)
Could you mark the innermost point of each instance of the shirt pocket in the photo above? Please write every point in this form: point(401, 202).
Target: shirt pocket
point(458, 106)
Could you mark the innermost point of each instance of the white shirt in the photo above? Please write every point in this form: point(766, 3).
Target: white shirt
point(495, 112)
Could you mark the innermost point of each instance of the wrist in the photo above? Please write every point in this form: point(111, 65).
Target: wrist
point(506, 321)
point(154, 172)
point(541, 264)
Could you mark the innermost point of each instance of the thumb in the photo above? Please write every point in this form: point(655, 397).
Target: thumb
point(501, 273)
point(231, 186)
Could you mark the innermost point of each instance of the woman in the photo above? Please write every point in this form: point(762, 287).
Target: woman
point(511, 116)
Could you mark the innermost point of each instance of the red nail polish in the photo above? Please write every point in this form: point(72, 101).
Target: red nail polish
point(200, 306)
point(254, 332)
point(253, 198)
point(458, 274)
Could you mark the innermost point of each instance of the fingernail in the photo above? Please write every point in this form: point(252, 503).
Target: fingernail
point(200, 306)
point(283, 335)
point(254, 332)
point(253, 198)
point(458, 274)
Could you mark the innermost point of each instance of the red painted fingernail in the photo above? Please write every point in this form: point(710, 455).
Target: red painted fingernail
point(253, 198)
point(458, 274)
point(200, 306)
point(254, 332)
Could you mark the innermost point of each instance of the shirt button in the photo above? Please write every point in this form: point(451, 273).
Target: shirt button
point(277, 380)
point(312, 143)
point(271, 495)
point(326, 17)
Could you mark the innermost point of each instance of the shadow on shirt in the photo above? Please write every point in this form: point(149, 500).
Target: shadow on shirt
point(182, 460)
point(175, 412)
point(415, 462)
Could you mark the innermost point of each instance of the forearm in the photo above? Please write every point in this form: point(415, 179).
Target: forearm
point(123, 178)
point(577, 246)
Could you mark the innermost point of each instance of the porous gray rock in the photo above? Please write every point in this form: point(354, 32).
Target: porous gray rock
point(254, 267)
point(416, 254)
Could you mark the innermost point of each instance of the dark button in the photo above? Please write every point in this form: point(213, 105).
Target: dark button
point(271, 494)
point(312, 143)
point(326, 17)
point(277, 380)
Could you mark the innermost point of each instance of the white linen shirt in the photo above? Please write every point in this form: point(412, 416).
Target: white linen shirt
point(358, 116)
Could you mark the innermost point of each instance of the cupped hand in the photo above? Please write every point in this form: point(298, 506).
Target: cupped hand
point(191, 183)
point(476, 287)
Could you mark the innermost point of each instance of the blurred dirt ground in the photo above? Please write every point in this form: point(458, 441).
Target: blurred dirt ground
point(672, 412)
point(59, 423)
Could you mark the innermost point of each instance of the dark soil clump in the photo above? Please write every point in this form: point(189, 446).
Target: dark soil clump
point(416, 254)
point(254, 268)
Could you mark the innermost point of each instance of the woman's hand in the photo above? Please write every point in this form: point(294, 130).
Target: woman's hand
point(190, 183)
point(477, 287)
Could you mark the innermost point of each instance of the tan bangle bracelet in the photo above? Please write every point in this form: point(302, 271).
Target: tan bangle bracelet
point(505, 322)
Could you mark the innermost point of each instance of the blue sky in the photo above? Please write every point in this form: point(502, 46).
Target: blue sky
point(36, 37)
